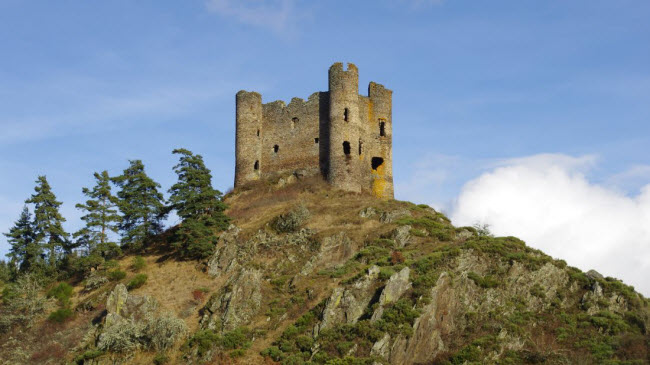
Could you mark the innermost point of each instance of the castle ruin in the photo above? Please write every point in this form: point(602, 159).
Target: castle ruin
point(344, 136)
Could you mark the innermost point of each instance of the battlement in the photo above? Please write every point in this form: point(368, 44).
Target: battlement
point(344, 136)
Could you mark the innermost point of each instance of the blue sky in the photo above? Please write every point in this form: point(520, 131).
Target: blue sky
point(480, 89)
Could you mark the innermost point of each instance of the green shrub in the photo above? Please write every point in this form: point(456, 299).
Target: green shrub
point(237, 353)
point(290, 221)
point(162, 332)
point(116, 275)
point(88, 355)
point(138, 281)
point(273, 352)
point(138, 263)
point(60, 315)
point(160, 359)
point(398, 318)
point(484, 282)
point(61, 293)
point(111, 264)
point(205, 340)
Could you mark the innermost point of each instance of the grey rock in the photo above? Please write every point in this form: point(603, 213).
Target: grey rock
point(594, 274)
point(402, 235)
point(367, 212)
point(395, 287)
point(236, 304)
point(346, 305)
point(391, 216)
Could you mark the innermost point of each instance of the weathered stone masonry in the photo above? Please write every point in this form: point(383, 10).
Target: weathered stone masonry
point(344, 136)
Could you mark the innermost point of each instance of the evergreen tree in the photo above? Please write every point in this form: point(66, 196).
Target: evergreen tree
point(199, 205)
point(101, 218)
point(25, 253)
point(141, 204)
point(48, 222)
point(5, 272)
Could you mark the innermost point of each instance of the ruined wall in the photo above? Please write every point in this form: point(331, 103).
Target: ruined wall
point(344, 136)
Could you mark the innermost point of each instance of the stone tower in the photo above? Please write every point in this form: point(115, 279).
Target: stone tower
point(344, 136)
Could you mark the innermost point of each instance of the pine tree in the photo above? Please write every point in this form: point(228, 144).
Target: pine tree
point(141, 204)
point(25, 253)
point(101, 218)
point(199, 205)
point(5, 272)
point(48, 222)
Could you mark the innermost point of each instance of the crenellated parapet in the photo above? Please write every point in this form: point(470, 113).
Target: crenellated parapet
point(344, 136)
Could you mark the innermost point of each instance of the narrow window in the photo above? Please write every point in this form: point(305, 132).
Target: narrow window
point(294, 121)
point(258, 132)
point(360, 147)
point(382, 128)
point(316, 140)
point(376, 162)
point(256, 166)
point(345, 114)
point(276, 148)
point(346, 148)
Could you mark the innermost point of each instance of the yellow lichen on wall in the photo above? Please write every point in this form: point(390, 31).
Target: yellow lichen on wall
point(379, 182)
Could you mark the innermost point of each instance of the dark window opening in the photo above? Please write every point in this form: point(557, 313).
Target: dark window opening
point(256, 166)
point(382, 128)
point(345, 114)
point(376, 162)
point(294, 121)
point(258, 132)
point(360, 147)
point(346, 148)
point(315, 140)
point(276, 148)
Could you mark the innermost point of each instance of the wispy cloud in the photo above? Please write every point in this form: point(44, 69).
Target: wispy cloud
point(93, 111)
point(276, 15)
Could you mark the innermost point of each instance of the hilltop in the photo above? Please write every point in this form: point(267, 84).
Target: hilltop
point(306, 274)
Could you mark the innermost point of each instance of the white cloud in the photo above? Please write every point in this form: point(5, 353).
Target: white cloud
point(276, 15)
point(547, 201)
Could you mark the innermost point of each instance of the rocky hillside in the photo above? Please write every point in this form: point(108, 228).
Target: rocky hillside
point(308, 275)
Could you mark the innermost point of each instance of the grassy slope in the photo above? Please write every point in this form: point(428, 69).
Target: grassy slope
point(555, 329)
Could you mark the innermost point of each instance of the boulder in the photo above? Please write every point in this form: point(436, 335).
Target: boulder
point(395, 287)
point(346, 305)
point(236, 304)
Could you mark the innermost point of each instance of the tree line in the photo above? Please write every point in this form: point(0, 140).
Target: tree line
point(40, 245)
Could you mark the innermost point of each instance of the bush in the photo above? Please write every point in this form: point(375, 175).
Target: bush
point(273, 352)
point(61, 293)
point(160, 333)
point(116, 275)
point(123, 336)
point(484, 282)
point(94, 281)
point(160, 359)
point(396, 258)
point(290, 221)
point(60, 315)
point(23, 301)
point(138, 281)
point(138, 263)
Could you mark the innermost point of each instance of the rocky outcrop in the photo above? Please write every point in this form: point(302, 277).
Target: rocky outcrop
point(224, 258)
point(395, 287)
point(347, 305)
point(123, 306)
point(436, 322)
point(334, 250)
point(393, 215)
point(402, 235)
point(236, 303)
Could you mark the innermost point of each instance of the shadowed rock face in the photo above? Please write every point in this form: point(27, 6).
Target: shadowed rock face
point(236, 304)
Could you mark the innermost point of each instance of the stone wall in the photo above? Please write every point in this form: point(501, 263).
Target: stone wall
point(344, 136)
